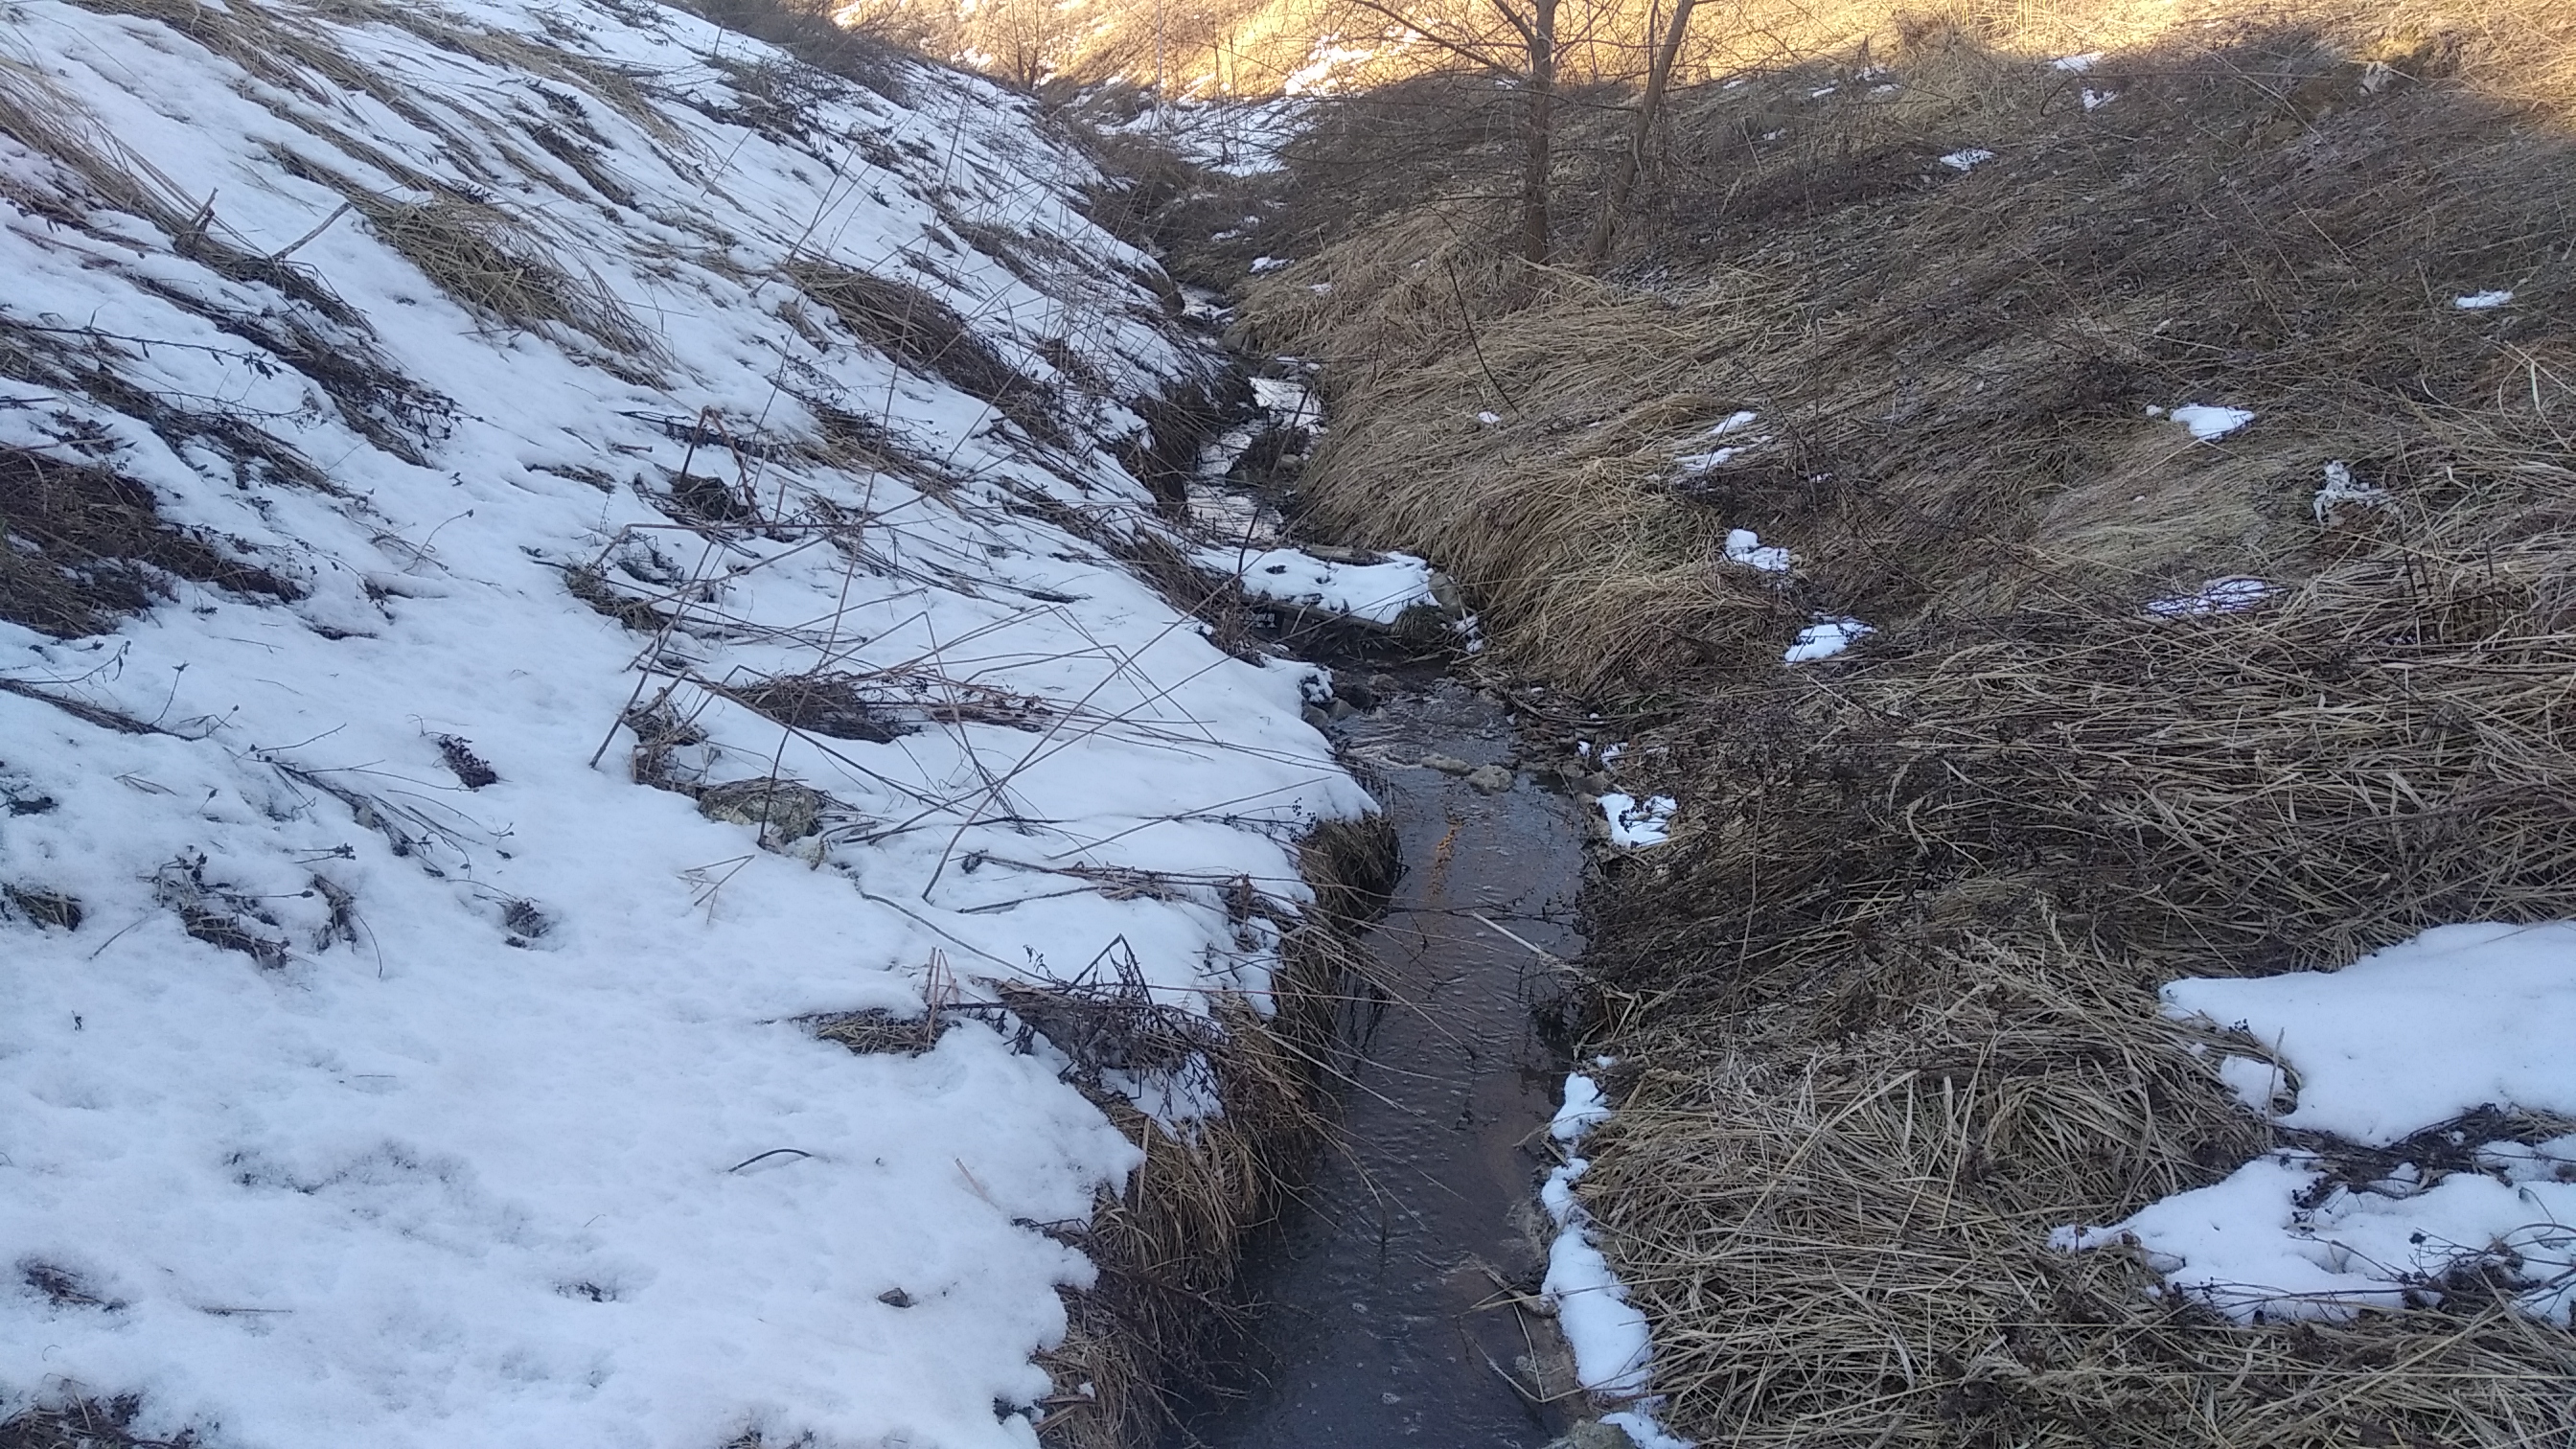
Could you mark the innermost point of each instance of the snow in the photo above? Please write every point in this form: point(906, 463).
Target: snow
point(1608, 1335)
point(2094, 100)
point(1967, 160)
point(2077, 64)
point(2482, 301)
point(1584, 1108)
point(1262, 265)
point(1824, 639)
point(525, 1145)
point(1612, 1344)
point(1233, 137)
point(1288, 402)
point(1643, 1430)
point(1703, 461)
point(2398, 1043)
point(2255, 1081)
point(2416, 1034)
point(1744, 546)
point(2217, 596)
point(2341, 487)
point(1488, 419)
point(1638, 823)
point(2245, 1247)
point(1377, 592)
point(2211, 423)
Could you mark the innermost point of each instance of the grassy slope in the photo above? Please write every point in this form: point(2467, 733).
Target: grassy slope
point(1886, 1002)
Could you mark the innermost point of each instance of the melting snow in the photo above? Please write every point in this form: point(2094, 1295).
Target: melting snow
point(2481, 301)
point(2341, 487)
point(1613, 1348)
point(2401, 1041)
point(1744, 546)
point(1967, 160)
point(1635, 822)
point(1378, 592)
point(2218, 596)
point(1584, 1108)
point(2078, 64)
point(2209, 423)
point(1824, 639)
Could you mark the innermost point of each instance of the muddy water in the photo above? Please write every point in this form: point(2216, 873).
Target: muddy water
point(1383, 1306)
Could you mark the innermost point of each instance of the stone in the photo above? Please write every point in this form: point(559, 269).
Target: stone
point(1316, 717)
point(782, 810)
point(1491, 779)
point(1446, 764)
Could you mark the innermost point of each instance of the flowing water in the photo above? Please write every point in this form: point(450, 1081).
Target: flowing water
point(1385, 1306)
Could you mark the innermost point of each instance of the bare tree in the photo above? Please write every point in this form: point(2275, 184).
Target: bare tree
point(1632, 160)
point(1517, 41)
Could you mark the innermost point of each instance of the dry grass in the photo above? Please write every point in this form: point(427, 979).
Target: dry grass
point(496, 264)
point(1951, 370)
point(1887, 1001)
point(1167, 1246)
point(1840, 1240)
point(917, 330)
point(86, 547)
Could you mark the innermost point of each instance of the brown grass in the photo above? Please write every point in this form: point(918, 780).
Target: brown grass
point(917, 330)
point(86, 547)
point(1886, 1004)
point(1167, 1246)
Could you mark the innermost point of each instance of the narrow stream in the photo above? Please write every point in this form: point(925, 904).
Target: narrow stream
point(1384, 1307)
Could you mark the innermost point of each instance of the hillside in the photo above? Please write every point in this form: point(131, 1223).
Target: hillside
point(604, 843)
point(2073, 524)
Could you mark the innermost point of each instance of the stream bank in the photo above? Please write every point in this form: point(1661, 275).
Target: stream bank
point(1402, 1295)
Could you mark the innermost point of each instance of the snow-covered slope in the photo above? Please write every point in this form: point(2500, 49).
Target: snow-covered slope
point(500, 402)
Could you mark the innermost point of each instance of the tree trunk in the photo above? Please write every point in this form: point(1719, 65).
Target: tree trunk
point(1541, 36)
point(1623, 176)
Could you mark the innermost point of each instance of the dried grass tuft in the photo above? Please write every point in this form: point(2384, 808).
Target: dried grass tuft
point(1167, 1246)
point(495, 263)
point(917, 330)
point(80, 547)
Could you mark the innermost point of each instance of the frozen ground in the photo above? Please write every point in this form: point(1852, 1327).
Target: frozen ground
point(2408, 1050)
point(387, 1061)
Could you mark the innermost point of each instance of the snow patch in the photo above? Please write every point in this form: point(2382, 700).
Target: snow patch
point(1969, 159)
point(1638, 823)
point(1377, 592)
point(1824, 639)
point(2403, 1040)
point(1745, 547)
point(2210, 423)
point(2482, 301)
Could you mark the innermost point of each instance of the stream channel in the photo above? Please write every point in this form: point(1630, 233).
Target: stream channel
point(1384, 1306)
